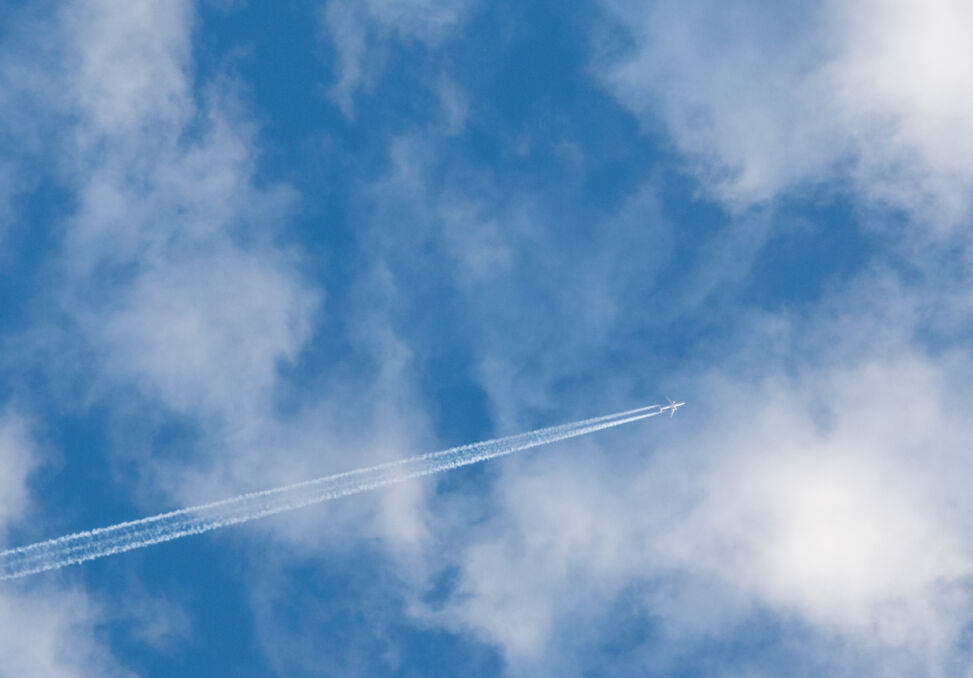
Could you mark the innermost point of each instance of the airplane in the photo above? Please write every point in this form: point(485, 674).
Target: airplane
point(672, 407)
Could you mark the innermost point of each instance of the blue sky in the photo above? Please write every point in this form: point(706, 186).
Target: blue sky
point(244, 244)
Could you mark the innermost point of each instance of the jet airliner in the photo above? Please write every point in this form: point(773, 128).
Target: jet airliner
point(672, 407)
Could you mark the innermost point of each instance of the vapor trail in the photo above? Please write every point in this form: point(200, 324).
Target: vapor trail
point(105, 541)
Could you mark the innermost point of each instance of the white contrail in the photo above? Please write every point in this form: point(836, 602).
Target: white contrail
point(105, 541)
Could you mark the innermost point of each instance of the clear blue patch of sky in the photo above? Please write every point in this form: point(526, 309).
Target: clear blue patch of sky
point(352, 604)
point(26, 245)
point(202, 575)
point(812, 247)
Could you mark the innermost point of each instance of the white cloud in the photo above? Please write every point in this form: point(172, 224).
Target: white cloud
point(849, 519)
point(44, 632)
point(455, 105)
point(767, 102)
point(171, 276)
point(18, 458)
point(854, 524)
point(132, 74)
point(362, 31)
point(206, 333)
point(50, 634)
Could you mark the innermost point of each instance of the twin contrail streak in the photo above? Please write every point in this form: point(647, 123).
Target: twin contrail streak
point(106, 541)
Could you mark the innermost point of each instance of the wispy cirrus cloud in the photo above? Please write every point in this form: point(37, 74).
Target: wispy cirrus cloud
point(364, 35)
point(53, 632)
point(19, 461)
